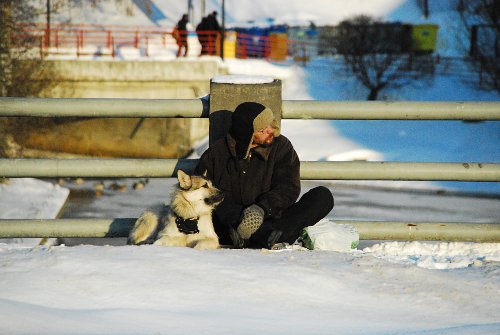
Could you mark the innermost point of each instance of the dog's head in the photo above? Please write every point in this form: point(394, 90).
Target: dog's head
point(199, 191)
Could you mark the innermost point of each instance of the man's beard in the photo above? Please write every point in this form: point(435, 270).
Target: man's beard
point(266, 143)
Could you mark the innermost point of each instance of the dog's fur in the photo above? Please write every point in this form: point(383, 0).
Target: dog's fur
point(194, 197)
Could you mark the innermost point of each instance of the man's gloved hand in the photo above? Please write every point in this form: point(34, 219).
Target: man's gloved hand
point(238, 242)
point(252, 219)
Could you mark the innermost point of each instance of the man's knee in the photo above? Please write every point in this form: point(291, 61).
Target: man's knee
point(321, 197)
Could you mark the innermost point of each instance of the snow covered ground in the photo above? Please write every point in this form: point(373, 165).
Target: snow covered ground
point(154, 290)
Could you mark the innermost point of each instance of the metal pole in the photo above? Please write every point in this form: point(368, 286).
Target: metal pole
point(46, 168)
point(291, 109)
point(47, 41)
point(190, 11)
point(223, 33)
point(399, 171)
point(66, 227)
point(202, 10)
point(95, 167)
point(419, 231)
point(175, 108)
point(368, 230)
point(383, 110)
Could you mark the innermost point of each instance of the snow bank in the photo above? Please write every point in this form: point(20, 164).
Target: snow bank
point(29, 198)
point(438, 255)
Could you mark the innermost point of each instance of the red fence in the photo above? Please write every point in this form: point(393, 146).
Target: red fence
point(106, 40)
point(77, 38)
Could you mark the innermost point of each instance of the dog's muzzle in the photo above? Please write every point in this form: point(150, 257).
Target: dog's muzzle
point(215, 199)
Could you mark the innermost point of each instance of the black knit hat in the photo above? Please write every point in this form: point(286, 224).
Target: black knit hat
point(247, 118)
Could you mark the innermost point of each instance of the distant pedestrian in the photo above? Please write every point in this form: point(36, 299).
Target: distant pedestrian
point(182, 33)
point(201, 31)
point(213, 32)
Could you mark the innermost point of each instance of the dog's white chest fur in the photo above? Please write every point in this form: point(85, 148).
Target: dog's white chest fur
point(206, 238)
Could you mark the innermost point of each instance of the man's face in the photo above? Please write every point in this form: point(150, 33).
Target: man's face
point(263, 137)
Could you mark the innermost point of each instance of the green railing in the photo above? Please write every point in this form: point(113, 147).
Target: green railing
point(451, 231)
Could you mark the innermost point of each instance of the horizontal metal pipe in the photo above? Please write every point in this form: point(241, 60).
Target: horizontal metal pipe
point(25, 228)
point(111, 167)
point(368, 230)
point(48, 168)
point(292, 109)
point(75, 107)
point(400, 171)
point(383, 110)
point(425, 231)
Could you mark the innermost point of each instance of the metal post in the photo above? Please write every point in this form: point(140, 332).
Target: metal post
point(226, 94)
point(223, 33)
point(47, 29)
point(190, 11)
point(202, 9)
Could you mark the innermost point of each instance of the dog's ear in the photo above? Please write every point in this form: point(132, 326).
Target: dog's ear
point(184, 179)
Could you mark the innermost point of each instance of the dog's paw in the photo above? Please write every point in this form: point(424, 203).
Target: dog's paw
point(168, 241)
point(207, 244)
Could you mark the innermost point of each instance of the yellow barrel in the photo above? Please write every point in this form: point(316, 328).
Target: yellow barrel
point(230, 44)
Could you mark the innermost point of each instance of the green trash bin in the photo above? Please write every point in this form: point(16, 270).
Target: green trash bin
point(424, 37)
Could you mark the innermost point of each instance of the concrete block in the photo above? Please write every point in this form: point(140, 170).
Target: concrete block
point(227, 92)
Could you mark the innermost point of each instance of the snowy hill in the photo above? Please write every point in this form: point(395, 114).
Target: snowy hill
point(282, 11)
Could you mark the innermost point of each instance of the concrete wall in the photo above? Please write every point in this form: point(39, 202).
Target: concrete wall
point(181, 70)
point(178, 79)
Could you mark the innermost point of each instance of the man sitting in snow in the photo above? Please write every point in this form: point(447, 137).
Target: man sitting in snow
point(258, 169)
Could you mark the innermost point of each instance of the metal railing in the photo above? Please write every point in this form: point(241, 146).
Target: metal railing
point(123, 168)
point(291, 109)
point(471, 171)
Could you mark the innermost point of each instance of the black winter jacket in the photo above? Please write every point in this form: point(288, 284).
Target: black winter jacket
point(269, 177)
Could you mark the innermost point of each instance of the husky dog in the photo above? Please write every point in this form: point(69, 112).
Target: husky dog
point(187, 222)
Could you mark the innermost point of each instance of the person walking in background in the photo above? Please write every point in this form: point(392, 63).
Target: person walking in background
point(201, 31)
point(213, 31)
point(182, 35)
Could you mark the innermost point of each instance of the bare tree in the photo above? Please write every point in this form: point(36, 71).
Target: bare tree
point(22, 71)
point(481, 18)
point(379, 54)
